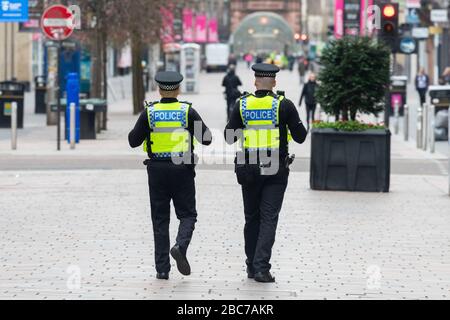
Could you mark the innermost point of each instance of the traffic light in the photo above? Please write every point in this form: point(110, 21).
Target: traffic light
point(389, 25)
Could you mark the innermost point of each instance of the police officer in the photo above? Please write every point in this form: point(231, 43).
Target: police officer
point(264, 123)
point(166, 128)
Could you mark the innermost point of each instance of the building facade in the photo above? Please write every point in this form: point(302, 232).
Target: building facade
point(290, 10)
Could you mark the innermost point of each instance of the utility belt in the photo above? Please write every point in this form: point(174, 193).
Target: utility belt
point(190, 162)
point(249, 173)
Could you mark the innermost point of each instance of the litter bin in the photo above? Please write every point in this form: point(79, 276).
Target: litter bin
point(40, 84)
point(11, 92)
point(440, 98)
point(89, 108)
point(398, 93)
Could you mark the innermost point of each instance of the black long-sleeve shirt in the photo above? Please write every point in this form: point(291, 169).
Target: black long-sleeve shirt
point(289, 119)
point(141, 131)
point(309, 93)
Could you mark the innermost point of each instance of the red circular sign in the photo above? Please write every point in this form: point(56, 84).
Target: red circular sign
point(58, 23)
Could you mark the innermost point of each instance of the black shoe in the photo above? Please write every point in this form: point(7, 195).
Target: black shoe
point(250, 273)
point(250, 270)
point(182, 262)
point(264, 277)
point(162, 276)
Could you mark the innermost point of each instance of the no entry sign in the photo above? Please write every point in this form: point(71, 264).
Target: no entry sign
point(58, 23)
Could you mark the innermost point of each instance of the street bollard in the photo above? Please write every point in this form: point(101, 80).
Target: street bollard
point(406, 123)
point(431, 125)
point(425, 127)
point(72, 138)
point(419, 127)
point(397, 117)
point(14, 125)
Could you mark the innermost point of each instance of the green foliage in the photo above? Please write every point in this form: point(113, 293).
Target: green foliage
point(355, 77)
point(352, 126)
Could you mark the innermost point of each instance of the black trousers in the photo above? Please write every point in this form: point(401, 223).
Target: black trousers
point(169, 182)
point(310, 113)
point(262, 205)
point(422, 95)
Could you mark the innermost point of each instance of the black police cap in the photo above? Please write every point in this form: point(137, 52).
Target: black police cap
point(169, 80)
point(265, 70)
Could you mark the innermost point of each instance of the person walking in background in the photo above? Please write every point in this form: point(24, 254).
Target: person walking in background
point(302, 66)
point(259, 58)
point(249, 59)
point(422, 84)
point(232, 60)
point(309, 94)
point(446, 75)
point(291, 61)
point(231, 82)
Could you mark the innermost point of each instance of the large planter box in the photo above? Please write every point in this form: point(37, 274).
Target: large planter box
point(350, 161)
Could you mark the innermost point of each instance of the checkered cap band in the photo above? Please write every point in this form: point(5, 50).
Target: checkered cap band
point(265, 74)
point(169, 87)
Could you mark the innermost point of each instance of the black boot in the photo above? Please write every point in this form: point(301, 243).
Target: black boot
point(182, 262)
point(264, 277)
point(250, 270)
point(162, 276)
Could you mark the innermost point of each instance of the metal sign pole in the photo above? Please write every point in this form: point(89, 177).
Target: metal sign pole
point(58, 97)
point(14, 125)
point(397, 117)
point(425, 127)
point(72, 137)
point(13, 45)
point(406, 123)
point(6, 51)
point(449, 151)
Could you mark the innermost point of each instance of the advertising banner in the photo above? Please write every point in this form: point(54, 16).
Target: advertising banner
point(339, 19)
point(213, 32)
point(167, 32)
point(201, 34)
point(365, 17)
point(188, 25)
point(13, 10)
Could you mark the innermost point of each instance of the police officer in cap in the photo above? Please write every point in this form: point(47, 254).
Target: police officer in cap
point(166, 128)
point(264, 123)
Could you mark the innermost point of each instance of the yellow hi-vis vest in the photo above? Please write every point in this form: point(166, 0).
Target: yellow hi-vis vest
point(168, 129)
point(261, 119)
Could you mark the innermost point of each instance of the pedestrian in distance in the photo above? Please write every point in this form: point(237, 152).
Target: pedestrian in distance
point(232, 60)
point(309, 94)
point(422, 85)
point(302, 67)
point(446, 76)
point(231, 82)
point(248, 59)
point(261, 122)
point(166, 128)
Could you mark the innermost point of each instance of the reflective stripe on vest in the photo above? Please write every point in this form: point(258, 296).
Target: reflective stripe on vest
point(168, 129)
point(261, 118)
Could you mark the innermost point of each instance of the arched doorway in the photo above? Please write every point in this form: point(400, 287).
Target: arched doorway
point(263, 32)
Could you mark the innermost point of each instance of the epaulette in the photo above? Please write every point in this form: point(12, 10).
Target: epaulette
point(245, 94)
point(281, 93)
point(149, 104)
point(186, 102)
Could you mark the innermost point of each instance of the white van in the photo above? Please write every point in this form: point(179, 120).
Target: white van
point(217, 55)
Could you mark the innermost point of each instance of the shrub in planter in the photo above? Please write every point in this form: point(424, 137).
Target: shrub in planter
point(354, 78)
point(350, 155)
